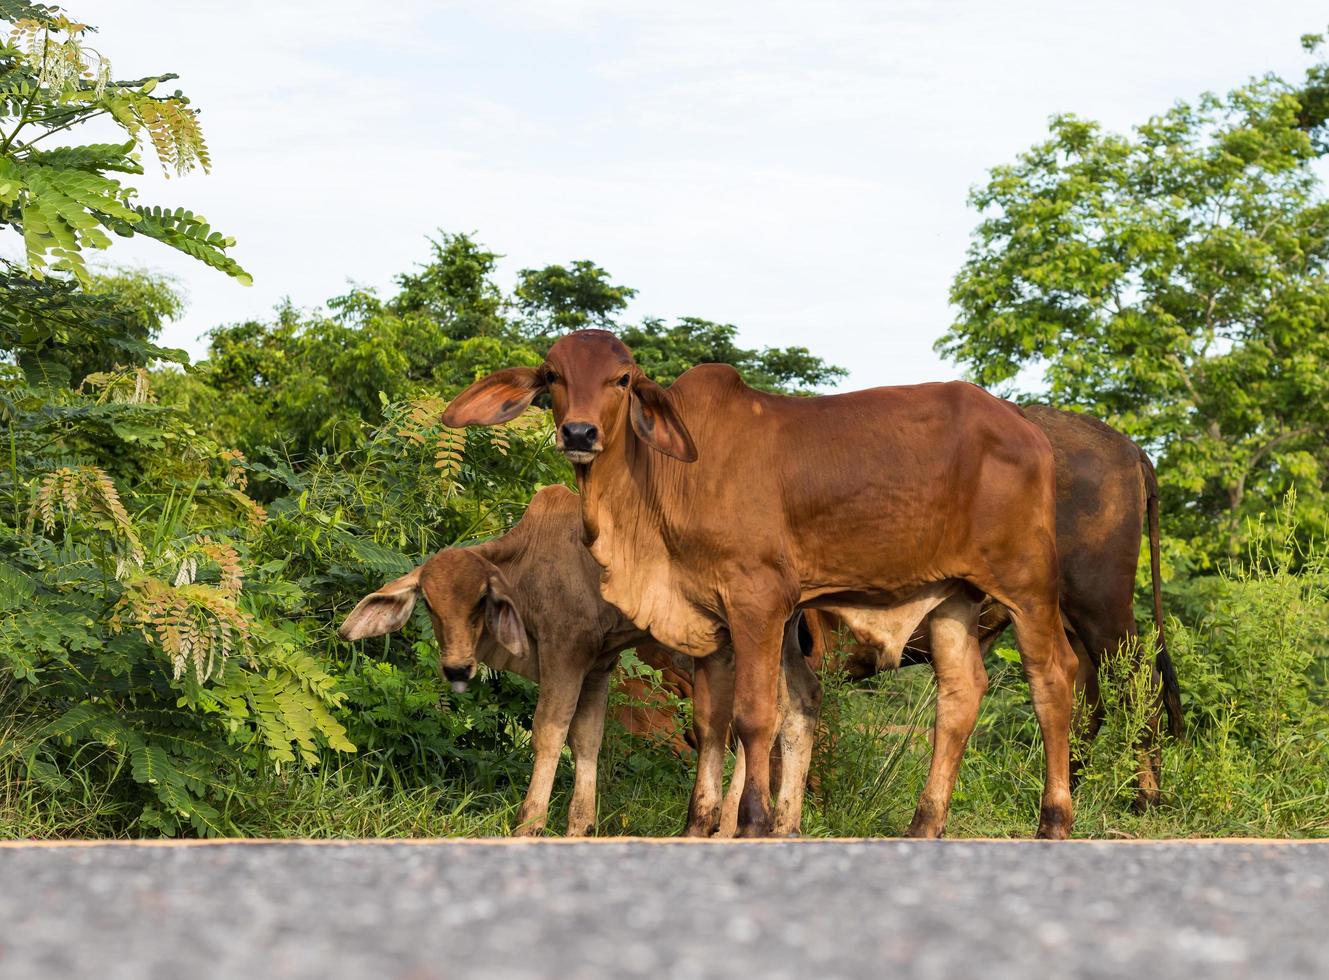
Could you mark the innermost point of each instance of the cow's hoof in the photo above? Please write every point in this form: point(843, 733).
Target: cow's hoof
point(927, 824)
point(1054, 824)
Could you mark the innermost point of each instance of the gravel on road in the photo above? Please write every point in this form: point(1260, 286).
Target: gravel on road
point(629, 908)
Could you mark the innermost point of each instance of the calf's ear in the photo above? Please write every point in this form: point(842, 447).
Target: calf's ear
point(384, 611)
point(656, 423)
point(503, 620)
point(498, 398)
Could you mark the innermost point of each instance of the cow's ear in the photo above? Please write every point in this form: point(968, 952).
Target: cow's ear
point(656, 423)
point(384, 611)
point(502, 618)
point(498, 398)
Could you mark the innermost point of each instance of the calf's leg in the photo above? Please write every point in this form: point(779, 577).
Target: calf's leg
point(584, 737)
point(961, 683)
point(712, 709)
point(559, 694)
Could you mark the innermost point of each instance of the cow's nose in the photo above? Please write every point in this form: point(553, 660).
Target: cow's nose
point(459, 676)
point(579, 436)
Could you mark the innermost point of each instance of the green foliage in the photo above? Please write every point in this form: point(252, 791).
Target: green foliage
point(556, 299)
point(1173, 282)
point(190, 538)
point(157, 665)
point(665, 352)
point(310, 382)
point(61, 198)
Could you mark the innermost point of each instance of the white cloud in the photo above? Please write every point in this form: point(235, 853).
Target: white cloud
point(797, 169)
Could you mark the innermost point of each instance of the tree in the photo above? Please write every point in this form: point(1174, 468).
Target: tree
point(1172, 281)
point(139, 653)
point(455, 289)
point(556, 299)
point(308, 383)
point(62, 198)
point(665, 352)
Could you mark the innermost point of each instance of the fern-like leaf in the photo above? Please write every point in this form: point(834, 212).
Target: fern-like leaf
point(189, 233)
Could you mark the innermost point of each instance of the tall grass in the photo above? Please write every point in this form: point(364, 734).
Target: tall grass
point(1252, 651)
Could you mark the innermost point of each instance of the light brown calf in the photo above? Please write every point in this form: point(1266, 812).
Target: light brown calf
point(529, 602)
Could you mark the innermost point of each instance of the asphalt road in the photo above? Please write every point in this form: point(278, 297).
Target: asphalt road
point(890, 908)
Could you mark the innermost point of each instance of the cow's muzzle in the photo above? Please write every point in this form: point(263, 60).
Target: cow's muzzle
point(459, 676)
point(580, 441)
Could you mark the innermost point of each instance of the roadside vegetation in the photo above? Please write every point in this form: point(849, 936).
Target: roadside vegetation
point(178, 542)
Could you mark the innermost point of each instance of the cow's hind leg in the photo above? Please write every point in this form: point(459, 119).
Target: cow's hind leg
point(801, 697)
point(732, 795)
point(1109, 631)
point(1050, 668)
point(961, 683)
point(712, 710)
point(1088, 716)
point(584, 737)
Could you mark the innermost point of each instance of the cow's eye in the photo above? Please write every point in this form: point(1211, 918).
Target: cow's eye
point(623, 381)
point(550, 376)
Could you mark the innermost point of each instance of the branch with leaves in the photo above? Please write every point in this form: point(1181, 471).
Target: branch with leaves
point(64, 199)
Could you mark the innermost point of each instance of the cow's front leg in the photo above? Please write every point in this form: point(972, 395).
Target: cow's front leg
point(559, 693)
point(712, 709)
point(757, 642)
point(584, 737)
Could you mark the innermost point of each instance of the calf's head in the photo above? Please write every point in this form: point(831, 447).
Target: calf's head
point(600, 397)
point(468, 600)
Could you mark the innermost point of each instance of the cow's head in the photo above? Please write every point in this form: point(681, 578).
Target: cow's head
point(599, 395)
point(468, 599)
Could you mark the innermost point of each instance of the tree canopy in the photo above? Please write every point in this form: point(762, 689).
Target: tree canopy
point(307, 382)
point(1173, 282)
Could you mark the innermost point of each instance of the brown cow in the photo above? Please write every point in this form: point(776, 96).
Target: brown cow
point(529, 602)
point(717, 510)
point(1105, 488)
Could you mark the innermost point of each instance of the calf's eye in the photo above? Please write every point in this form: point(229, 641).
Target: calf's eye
point(623, 381)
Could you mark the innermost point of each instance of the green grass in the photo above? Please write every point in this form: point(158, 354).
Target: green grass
point(1251, 649)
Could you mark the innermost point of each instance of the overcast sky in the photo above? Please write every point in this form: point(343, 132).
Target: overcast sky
point(797, 169)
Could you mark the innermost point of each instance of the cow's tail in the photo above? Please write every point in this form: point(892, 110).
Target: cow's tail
point(1171, 693)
